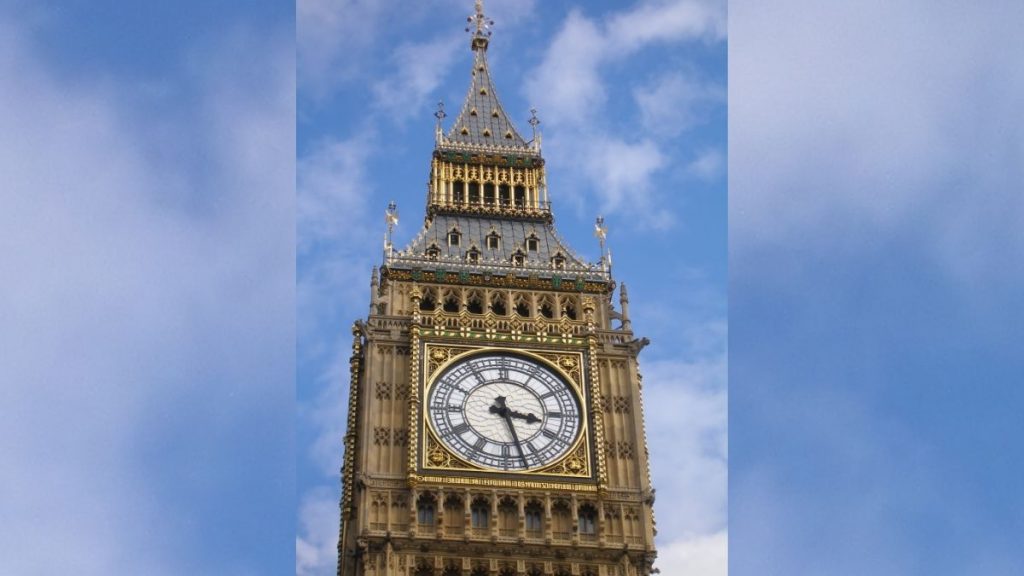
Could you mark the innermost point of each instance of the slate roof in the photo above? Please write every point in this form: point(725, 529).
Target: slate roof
point(513, 235)
point(482, 122)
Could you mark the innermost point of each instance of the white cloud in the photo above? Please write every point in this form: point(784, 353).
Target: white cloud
point(621, 173)
point(570, 91)
point(667, 21)
point(686, 406)
point(405, 93)
point(122, 281)
point(859, 113)
point(674, 103)
point(332, 191)
point(707, 555)
point(332, 37)
point(566, 86)
point(708, 165)
point(316, 548)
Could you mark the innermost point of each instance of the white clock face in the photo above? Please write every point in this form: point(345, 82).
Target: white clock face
point(504, 412)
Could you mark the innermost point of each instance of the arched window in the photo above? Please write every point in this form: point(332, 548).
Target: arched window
point(480, 515)
point(474, 193)
point(454, 237)
point(587, 517)
point(534, 519)
point(451, 302)
point(474, 303)
point(508, 517)
point(425, 507)
point(569, 307)
point(489, 194)
point(459, 191)
point(493, 241)
point(454, 514)
point(522, 305)
point(428, 302)
point(545, 308)
point(498, 304)
point(503, 195)
point(433, 252)
point(561, 521)
point(520, 196)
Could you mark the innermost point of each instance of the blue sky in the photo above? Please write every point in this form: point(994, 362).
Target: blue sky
point(159, 266)
point(147, 340)
point(631, 98)
point(876, 293)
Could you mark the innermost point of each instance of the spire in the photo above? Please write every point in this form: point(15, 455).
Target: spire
point(482, 122)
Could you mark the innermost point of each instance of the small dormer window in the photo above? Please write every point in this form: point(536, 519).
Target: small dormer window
point(454, 237)
point(433, 253)
point(472, 112)
point(473, 256)
point(493, 241)
point(518, 259)
point(487, 132)
point(532, 243)
point(558, 262)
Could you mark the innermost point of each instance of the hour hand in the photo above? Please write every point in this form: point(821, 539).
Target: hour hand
point(499, 407)
point(530, 418)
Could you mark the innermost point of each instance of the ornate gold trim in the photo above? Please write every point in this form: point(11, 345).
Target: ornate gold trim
point(575, 463)
point(555, 283)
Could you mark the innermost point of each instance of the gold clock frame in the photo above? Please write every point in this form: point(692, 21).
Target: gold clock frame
point(435, 462)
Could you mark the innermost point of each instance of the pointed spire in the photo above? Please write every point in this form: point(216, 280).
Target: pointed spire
point(374, 288)
point(482, 122)
point(624, 306)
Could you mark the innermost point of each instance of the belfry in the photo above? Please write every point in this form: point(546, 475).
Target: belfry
point(495, 418)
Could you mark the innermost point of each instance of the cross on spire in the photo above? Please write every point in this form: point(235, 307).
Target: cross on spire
point(480, 26)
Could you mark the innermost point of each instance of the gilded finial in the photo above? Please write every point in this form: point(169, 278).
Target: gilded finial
point(534, 122)
point(480, 26)
point(391, 220)
point(601, 231)
point(440, 115)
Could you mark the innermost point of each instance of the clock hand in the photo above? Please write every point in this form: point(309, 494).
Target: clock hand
point(500, 409)
point(530, 418)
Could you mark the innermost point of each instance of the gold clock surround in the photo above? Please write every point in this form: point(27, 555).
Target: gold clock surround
point(434, 458)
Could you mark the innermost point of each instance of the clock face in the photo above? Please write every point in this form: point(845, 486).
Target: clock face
point(504, 412)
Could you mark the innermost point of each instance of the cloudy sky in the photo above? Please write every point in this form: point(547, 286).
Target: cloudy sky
point(147, 293)
point(632, 103)
point(876, 291)
point(191, 199)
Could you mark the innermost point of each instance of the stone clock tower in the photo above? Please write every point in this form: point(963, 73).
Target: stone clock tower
point(495, 422)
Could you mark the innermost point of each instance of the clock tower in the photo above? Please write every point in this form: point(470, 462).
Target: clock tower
point(495, 421)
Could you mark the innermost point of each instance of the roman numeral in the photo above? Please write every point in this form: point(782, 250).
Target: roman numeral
point(480, 443)
point(460, 428)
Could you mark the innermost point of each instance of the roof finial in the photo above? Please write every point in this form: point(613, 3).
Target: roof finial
point(391, 219)
point(534, 122)
point(480, 26)
point(601, 231)
point(440, 115)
